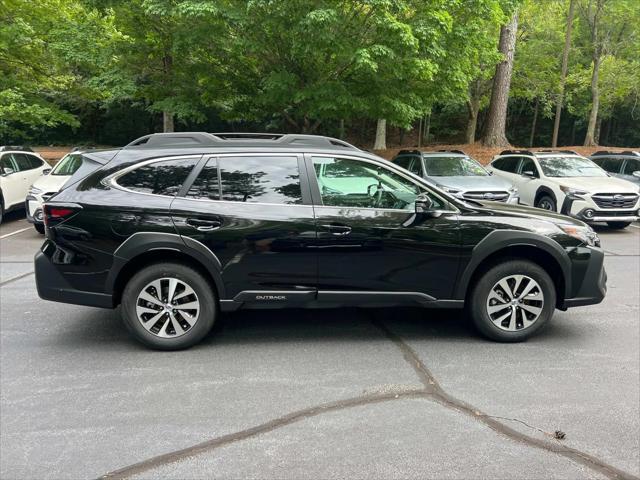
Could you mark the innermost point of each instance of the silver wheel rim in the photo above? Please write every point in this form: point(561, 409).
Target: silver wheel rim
point(167, 307)
point(546, 205)
point(515, 303)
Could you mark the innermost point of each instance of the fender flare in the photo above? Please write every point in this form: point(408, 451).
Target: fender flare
point(501, 239)
point(143, 242)
point(544, 189)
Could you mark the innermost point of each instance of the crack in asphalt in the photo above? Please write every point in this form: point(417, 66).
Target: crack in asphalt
point(17, 277)
point(431, 391)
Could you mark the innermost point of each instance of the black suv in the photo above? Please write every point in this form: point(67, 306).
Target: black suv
point(179, 227)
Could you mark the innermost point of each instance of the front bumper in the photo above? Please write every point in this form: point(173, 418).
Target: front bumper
point(587, 211)
point(588, 277)
point(33, 207)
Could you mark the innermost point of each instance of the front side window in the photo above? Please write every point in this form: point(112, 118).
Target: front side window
point(570, 167)
point(359, 184)
point(34, 161)
point(158, 178)
point(507, 164)
point(22, 161)
point(608, 163)
point(6, 165)
point(68, 165)
point(631, 166)
point(453, 167)
point(528, 165)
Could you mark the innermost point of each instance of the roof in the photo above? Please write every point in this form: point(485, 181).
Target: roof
point(538, 153)
point(15, 148)
point(626, 153)
point(225, 140)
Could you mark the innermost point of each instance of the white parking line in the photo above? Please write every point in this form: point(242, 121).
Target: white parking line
point(15, 233)
point(634, 226)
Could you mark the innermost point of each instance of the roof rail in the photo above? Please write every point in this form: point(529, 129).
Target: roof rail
point(204, 139)
point(568, 152)
point(516, 152)
point(18, 148)
point(410, 152)
point(452, 151)
point(611, 152)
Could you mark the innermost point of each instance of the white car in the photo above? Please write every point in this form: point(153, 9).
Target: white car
point(565, 182)
point(47, 186)
point(19, 168)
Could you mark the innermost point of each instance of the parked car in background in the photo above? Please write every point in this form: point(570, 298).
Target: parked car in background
point(563, 181)
point(48, 185)
point(457, 174)
point(625, 165)
point(178, 227)
point(19, 168)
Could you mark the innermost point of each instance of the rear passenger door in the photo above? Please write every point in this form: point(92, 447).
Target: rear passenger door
point(254, 212)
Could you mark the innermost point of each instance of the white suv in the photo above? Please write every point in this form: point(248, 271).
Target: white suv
point(19, 168)
point(566, 182)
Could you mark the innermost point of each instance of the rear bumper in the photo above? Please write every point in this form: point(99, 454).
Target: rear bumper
point(52, 286)
point(589, 278)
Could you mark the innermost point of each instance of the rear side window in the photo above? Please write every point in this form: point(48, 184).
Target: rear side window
point(250, 179)
point(22, 161)
point(158, 178)
point(507, 164)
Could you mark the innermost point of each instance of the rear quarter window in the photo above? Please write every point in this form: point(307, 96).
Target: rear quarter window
point(158, 178)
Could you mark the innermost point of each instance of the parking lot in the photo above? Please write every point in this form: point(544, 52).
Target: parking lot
point(398, 393)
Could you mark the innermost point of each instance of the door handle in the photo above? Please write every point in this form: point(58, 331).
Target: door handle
point(337, 229)
point(204, 225)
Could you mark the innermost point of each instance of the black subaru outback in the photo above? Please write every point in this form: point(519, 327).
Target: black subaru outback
point(176, 228)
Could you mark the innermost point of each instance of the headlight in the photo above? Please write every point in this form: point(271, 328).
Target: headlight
point(585, 234)
point(34, 190)
point(452, 191)
point(573, 192)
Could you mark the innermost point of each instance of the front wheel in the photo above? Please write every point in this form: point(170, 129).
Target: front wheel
point(545, 202)
point(169, 306)
point(39, 228)
point(512, 301)
point(618, 225)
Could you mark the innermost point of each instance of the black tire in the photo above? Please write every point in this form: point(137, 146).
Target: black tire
point(1, 212)
point(547, 202)
point(618, 225)
point(39, 228)
point(205, 295)
point(477, 301)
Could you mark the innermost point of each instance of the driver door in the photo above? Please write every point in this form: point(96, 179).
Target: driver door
point(368, 239)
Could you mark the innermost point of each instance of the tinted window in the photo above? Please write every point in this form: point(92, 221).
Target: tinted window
point(453, 167)
point(608, 163)
point(207, 184)
point(358, 184)
point(507, 164)
point(528, 165)
point(415, 167)
point(260, 179)
point(160, 178)
point(6, 163)
point(22, 161)
point(34, 161)
point(631, 166)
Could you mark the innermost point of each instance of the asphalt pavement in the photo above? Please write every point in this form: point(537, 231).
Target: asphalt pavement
point(397, 393)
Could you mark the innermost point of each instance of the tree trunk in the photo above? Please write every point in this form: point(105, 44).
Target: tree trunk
point(167, 122)
point(427, 128)
point(420, 132)
point(535, 120)
point(598, 130)
point(590, 139)
point(563, 74)
point(495, 132)
point(381, 135)
point(573, 133)
point(473, 107)
point(341, 129)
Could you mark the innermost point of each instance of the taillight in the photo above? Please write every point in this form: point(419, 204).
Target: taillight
point(57, 213)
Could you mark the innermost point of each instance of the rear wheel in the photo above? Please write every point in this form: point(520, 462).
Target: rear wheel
point(168, 306)
point(546, 202)
point(39, 228)
point(512, 301)
point(618, 225)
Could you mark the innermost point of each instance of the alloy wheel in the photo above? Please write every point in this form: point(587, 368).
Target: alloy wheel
point(545, 205)
point(167, 307)
point(515, 303)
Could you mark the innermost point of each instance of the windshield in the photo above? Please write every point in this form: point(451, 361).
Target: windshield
point(453, 167)
point(68, 165)
point(570, 167)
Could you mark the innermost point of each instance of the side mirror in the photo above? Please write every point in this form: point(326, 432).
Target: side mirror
point(7, 171)
point(46, 171)
point(424, 204)
point(528, 173)
point(636, 173)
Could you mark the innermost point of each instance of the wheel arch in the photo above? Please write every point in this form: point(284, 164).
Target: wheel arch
point(544, 190)
point(501, 245)
point(145, 248)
